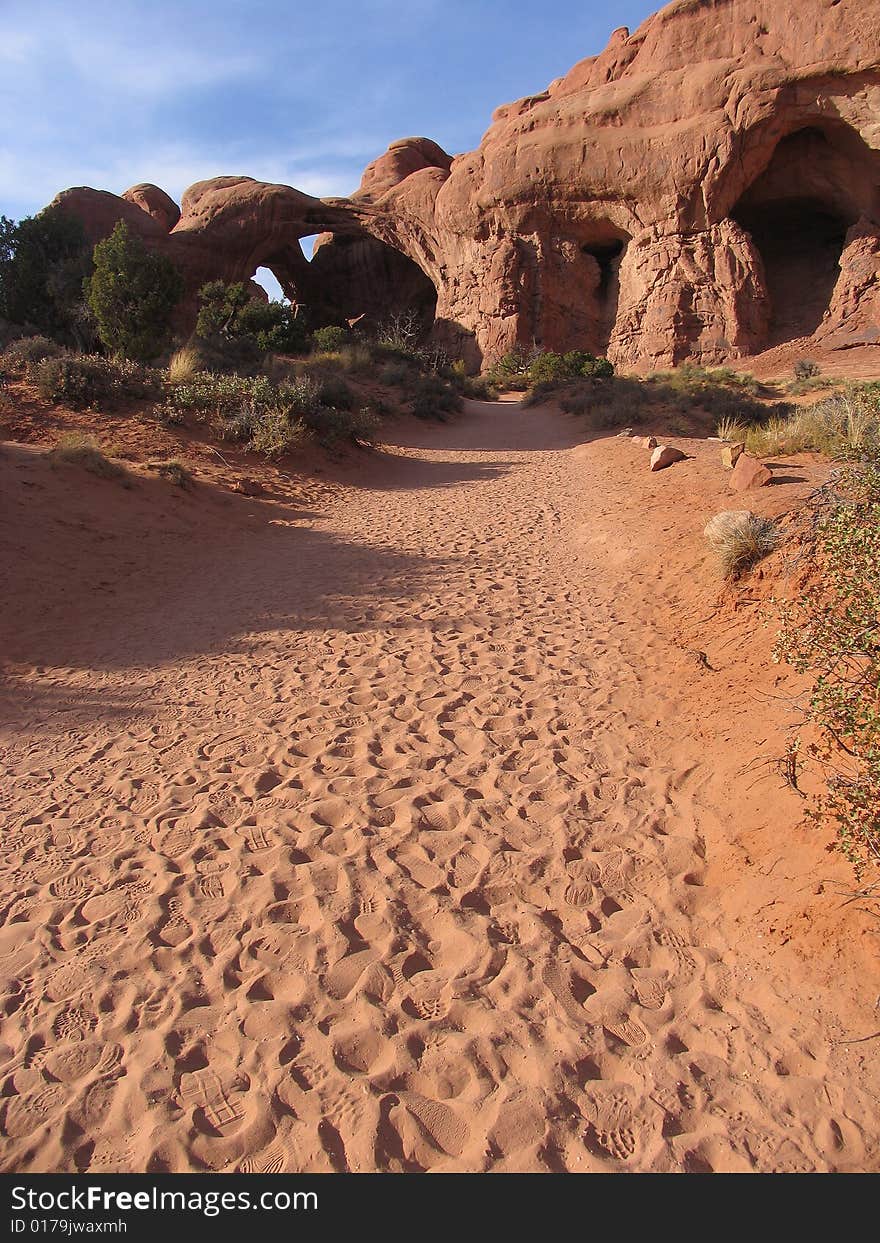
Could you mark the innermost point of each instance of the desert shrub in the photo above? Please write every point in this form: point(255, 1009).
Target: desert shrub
point(833, 635)
point(805, 369)
point(396, 375)
point(333, 391)
point(607, 404)
point(276, 430)
point(78, 450)
point(82, 380)
point(693, 379)
point(330, 339)
point(402, 330)
point(331, 426)
point(23, 356)
point(511, 371)
point(740, 540)
point(435, 398)
point(479, 388)
point(239, 328)
point(174, 471)
point(131, 293)
point(44, 260)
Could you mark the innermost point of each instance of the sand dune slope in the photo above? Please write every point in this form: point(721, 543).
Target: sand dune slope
point(340, 836)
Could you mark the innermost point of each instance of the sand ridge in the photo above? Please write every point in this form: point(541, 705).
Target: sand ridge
point(349, 840)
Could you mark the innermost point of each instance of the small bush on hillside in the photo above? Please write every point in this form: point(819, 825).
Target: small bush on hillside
point(330, 340)
point(832, 633)
point(77, 450)
point(333, 391)
point(805, 369)
point(402, 331)
point(23, 356)
point(332, 426)
point(277, 430)
point(435, 398)
point(82, 380)
point(511, 371)
point(692, 379)
point(174, 471)
point(548, 367)
point(732, 429)
point(131, 293)
point(396, 375)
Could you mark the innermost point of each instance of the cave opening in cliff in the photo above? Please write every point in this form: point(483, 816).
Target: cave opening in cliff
point(797, 213)
point(608, 252)
point(800, 242)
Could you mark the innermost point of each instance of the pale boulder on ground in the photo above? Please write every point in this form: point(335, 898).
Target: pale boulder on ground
point(749, 473)
point(730, 454)
point(666, 455)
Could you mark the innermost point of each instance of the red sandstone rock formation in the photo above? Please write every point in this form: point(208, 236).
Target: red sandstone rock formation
point(707, 187)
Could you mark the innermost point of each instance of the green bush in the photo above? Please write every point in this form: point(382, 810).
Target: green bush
point(238, 329)
point(397, 375)
point(333, 391)
point(331, 426)
point(44, 260)
point(832, 634)
point(276, 431)
point(269, 418)
point(330, 339)
point(132, 293)
point(82, 380)
point(806, 369)
point(435, 398)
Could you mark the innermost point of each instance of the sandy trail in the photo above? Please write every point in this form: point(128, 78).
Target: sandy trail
point(349, 840)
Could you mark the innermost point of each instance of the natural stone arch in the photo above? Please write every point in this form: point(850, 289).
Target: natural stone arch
point(358, 277)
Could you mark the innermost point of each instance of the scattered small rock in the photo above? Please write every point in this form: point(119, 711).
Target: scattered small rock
point(665, 455)
point(731, 453)
point(627, 431)
point(248, 487)
point(749, 473)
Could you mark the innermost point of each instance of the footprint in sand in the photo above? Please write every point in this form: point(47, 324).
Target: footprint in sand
point(218, 1101)
point(176, 929)
point(627, 1031)
point(445, 1129)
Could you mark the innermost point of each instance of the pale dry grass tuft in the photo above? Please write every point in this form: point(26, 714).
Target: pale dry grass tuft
point(740, 540)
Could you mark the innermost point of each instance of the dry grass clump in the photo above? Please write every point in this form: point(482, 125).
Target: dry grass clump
point(184, 364)
point(732, 429)
point(842, 424)
point(740, 540)
point(839, 424)
point(174, 471)
point(77, 450)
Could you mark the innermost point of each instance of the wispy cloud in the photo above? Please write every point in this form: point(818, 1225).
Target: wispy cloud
point(112, 92)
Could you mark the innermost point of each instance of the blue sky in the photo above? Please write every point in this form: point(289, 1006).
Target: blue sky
point(108, 93)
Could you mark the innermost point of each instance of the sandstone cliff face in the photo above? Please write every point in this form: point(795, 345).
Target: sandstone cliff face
point(707, 187)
